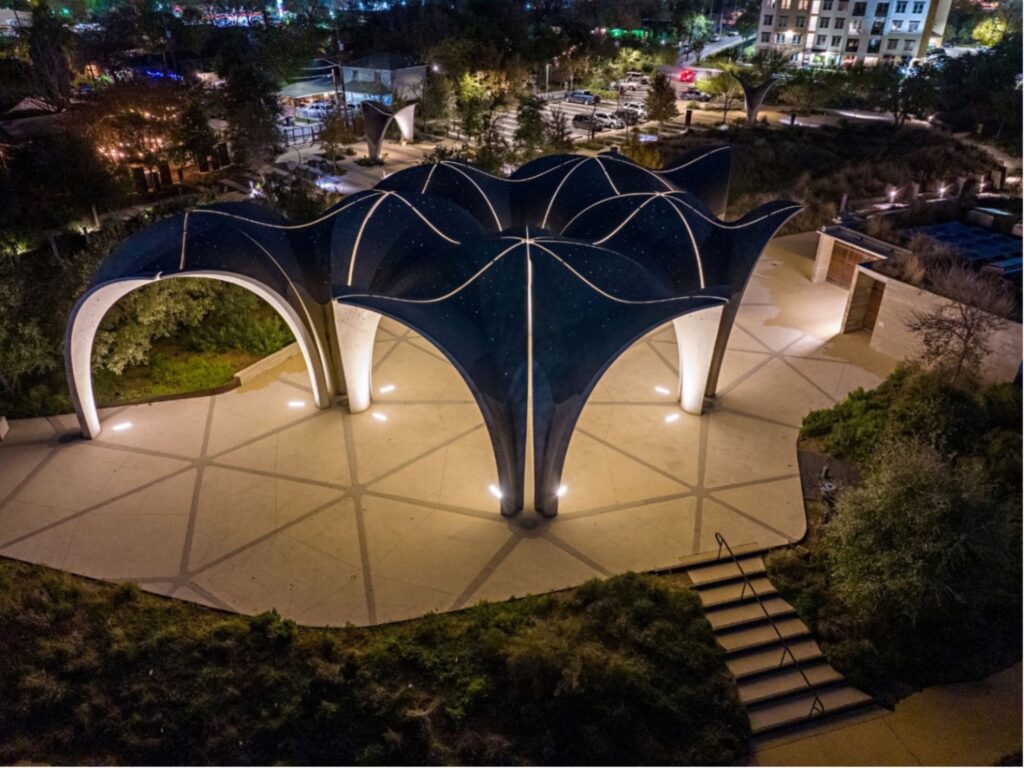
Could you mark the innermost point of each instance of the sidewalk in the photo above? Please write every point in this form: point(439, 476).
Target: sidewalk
point(962, 724)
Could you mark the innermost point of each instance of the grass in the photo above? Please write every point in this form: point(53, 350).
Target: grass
point(622, 671)
point(171, 371)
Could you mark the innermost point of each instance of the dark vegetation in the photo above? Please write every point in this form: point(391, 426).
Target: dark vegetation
point(816, 166)
point(914, 578)
point(623, 671)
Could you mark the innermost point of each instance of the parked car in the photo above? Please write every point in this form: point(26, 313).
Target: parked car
point(624, 85)
point(628, 116)
point(639, 109)
point(694, 94)
point(583, 97)
point(331, 183)
point(609, 120)
point(586, 123)
point(323, 165)
point(732, 32)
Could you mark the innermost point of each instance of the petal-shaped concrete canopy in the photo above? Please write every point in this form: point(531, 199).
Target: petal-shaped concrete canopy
point(531, 286)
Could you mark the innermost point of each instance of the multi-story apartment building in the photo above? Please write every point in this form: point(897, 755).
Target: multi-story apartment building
point(843, 32)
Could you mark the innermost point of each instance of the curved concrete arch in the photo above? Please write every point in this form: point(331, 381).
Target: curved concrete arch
point(94, 304)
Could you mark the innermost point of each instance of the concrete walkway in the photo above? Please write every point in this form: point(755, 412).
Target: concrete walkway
point(253, 499)
point(964, 724)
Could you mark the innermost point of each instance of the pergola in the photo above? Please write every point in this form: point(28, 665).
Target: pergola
point(531, 286)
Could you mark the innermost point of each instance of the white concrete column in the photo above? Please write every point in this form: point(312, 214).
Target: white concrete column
point(356, 329)
point(405, 118)
point(695, 338)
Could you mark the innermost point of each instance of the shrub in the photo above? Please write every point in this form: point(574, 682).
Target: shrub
point(618, 671)
point(915, 578)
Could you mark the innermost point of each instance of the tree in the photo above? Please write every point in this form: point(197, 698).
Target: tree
point(955, 336)
point(436, 99)
point(964, 16)
point(557, 134)
point(25, 348)
point(903, 547)
point(695, 26)
point(756, 74)
point(529, 136)
point(493, 152)
point(49, 45)
point(192, 134)
point(472, 102)
point(153, 312)
point(808, 90)
point(725, 87)
point(991, 31)
point(250, 97)
point(661, 99)
point(902, 92)
point(748, 21)
point(335, 133)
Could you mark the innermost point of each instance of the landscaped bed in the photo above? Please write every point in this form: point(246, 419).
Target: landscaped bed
point(914, 578)
point(618, 671)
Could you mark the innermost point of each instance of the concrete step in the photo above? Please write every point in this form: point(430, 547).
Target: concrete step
point(748, 612)
point(762, 634)
point(726, 570)
point(787, 682)
point(687, 562)
point(769, 658)
point(795, 710)
point(730, 592)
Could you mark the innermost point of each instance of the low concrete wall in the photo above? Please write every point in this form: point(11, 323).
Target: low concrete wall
point(872, 248)
point(249, 373)
point(891, 336)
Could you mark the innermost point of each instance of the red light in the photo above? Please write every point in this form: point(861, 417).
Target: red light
point(687, 76)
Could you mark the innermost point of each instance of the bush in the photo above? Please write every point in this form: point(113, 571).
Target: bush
point(915, 577)
point(618, 671)
point(240, 321)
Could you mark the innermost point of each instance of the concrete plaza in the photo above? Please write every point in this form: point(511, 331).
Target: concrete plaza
point(254, 499)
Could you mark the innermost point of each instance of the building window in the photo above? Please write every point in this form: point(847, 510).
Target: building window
point(918, 7)
point(797, 39)
point(837, 40)
point(856, 25)
point(882, 9)
point(901, 7)
point(877, 27)
point(914, 26)
point(766, 37)
point(908, 45)
point(897, 23)
point(801, 22)
point(840, 21)
point(768, 19)
point(823, 22)
point(783, 21)
point(859, 9)
point(874, 45)
point(819, 41)
point(851, 44)
point(780, 38)
point(891, 45)
point(826, 5)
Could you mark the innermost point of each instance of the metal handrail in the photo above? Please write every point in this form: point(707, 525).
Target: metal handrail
point(816, 705)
